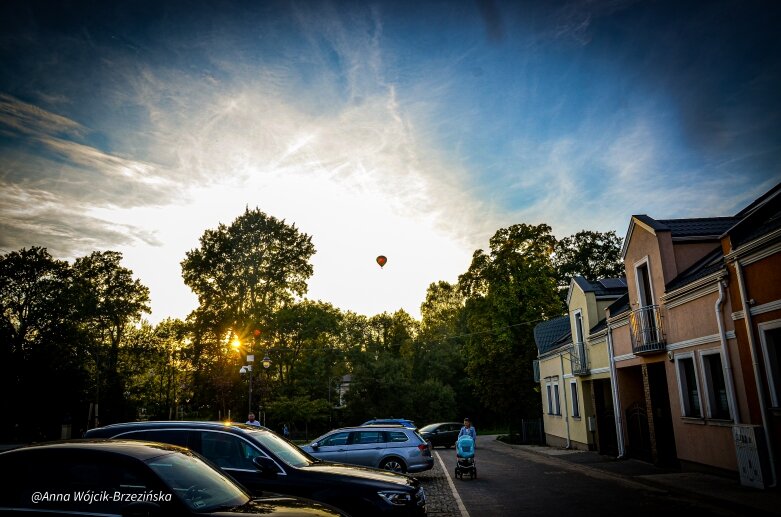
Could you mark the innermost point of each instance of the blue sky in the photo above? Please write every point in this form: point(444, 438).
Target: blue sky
point(409, 129)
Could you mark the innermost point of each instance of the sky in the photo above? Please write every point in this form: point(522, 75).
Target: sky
point(414, 130)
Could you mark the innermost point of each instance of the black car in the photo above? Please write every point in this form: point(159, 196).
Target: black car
point(262, 461)
point(129, 478)
point(443, 433)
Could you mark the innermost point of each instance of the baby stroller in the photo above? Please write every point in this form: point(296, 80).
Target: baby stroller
point(465, 457)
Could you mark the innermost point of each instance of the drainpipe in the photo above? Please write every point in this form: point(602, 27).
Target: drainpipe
point(727, 365)
point(564, 391)
point(754, 358)
point(617, 413)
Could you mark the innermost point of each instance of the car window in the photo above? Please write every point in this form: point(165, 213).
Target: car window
point(282, 449)
point(172, 436)
point(335, 439)
point(64, 482)
point(197, 484)
point(364, 437)
point(227, 450)
point(396, 436)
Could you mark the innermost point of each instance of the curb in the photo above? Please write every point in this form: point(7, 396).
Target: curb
point(646, 482)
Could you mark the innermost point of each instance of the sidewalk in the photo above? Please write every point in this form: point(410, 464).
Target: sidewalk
point(710, 489)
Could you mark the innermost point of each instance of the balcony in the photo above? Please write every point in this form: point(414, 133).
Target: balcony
point(647, 331)
point(579, 359)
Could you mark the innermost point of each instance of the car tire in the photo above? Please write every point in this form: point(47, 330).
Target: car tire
point(393, 464)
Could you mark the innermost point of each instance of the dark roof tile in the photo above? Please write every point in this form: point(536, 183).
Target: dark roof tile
point(548, 333)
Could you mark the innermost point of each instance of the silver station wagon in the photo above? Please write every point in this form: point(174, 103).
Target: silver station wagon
point(391, 447)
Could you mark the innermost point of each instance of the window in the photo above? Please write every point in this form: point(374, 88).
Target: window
point(770, 337)
point(228, 451)
point(644, 292)
point(573, 386)
point(364, 437)
point(556, 403)
point(396, 436)
point(550, 397)
point(172, 436)
point(715, 388)
point(335, 439)
point(688, 386)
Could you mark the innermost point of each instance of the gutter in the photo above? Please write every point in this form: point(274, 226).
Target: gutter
point(754, 358)
point(617, 413)
point(727, 362)
point(566, 407)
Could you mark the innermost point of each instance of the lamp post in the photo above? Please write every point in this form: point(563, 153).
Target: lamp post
point(248, 370)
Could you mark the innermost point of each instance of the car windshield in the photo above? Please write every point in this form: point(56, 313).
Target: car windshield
point(200, 486)
point(282, 449)
point(428, 428)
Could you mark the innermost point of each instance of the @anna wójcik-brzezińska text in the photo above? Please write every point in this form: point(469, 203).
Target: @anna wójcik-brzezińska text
point(101, 496)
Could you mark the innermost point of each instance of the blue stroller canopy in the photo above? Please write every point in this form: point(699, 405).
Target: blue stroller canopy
point(465, 447)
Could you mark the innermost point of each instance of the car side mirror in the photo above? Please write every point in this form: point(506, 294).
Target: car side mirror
point(141, 509)
point(265, 466)
point(314, 445)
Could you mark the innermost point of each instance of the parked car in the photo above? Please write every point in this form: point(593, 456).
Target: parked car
point(261, 460)
point(396, 448)
point(391, 421)
point(443, 433)
point(121, 477)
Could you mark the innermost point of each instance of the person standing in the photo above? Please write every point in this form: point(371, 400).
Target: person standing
point(252, 420)
point(286, 431)
point(468, 430)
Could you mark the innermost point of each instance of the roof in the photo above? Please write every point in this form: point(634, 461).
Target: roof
point(133, 448)
point(619, 306)
point(604, 287)
point(171, 424)
point(759, 218)
point(699, 228)
point(601, 325)
point(709, 264)
point(549, 334)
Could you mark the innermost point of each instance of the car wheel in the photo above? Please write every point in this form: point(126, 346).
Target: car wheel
point(393, 464)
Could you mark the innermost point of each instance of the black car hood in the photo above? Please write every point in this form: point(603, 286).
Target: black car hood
point(354, 471)
point(292, 506)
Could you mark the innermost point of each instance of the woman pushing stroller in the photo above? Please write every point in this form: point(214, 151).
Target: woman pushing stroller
point(465, 451)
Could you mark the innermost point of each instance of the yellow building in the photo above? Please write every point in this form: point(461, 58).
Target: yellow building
point(573, 368)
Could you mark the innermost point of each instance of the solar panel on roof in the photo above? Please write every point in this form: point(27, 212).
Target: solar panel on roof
point(613, 283)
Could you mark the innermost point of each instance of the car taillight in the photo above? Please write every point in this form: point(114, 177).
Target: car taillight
point(423, 447)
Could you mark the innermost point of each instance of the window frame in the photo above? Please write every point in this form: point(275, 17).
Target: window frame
point(573, 390)
point(710, 394)
point(683, 397)
point(557, 397)
point(549, 395)
point(773, 384)
point(644, 262)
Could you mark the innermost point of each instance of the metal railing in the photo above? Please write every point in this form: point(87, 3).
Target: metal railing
point(647, 330)
point(579, 359)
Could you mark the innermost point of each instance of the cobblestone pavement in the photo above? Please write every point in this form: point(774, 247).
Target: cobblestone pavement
point(440, 501)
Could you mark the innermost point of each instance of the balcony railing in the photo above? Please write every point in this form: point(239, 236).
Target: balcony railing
point(647, 330)
point(579, 359)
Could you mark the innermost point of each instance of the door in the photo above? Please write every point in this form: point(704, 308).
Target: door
point(333, 447)
point(666, 453)
point(365, 448)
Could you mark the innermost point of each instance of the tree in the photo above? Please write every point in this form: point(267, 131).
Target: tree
point(243, 272)
point(507, 291)
point(39, 345)
point(108, 301)
point(593, 255)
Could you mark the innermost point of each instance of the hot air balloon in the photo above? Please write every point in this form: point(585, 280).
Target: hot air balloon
point(381, 260)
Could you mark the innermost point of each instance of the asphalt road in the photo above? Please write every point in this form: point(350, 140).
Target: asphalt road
point(512, 482)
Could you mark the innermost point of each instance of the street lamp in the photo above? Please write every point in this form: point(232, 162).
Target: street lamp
point(248, 370)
